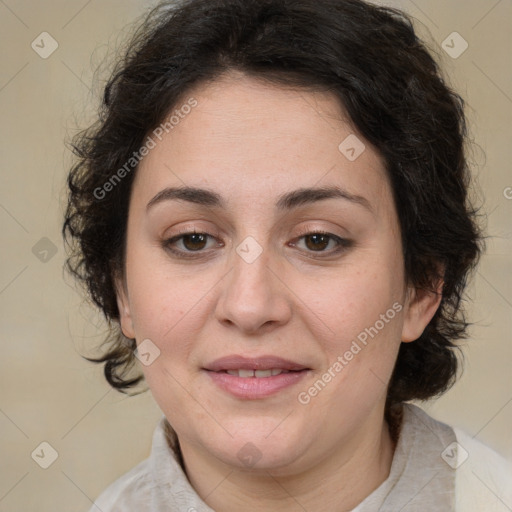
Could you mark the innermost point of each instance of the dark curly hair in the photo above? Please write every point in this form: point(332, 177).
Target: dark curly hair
point(387, 82)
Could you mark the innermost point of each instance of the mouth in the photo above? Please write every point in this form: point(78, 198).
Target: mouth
point(254, 364)
point(244, 374)
point(255, 378)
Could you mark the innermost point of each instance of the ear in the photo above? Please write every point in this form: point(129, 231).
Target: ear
point(123, 305)
point(421, 305)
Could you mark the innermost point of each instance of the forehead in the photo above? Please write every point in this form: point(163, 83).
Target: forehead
point(253, 141)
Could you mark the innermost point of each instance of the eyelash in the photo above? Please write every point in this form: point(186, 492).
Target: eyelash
point(343, 243)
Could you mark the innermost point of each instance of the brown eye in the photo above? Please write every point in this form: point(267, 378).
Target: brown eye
point(324, 244)
point(186, 244)
point(195, 241)
point(317, 241)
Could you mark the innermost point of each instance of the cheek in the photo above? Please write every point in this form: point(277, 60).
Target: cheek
point(359, 332)
point(165, 299)
point(346, 302)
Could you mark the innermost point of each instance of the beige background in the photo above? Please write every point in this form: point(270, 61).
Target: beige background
point(47, 392)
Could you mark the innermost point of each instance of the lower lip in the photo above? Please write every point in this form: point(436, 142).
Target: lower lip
point(255, 387)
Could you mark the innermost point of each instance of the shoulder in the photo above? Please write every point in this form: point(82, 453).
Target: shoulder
point(135, 490)
point(483, 478)
point(133, 487)
point(156, 483)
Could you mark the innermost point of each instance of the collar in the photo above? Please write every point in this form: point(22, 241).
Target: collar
point(419, 478)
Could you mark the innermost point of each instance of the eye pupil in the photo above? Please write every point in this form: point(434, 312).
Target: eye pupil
point(316, 241)
point(195, 238)
point(320, 241)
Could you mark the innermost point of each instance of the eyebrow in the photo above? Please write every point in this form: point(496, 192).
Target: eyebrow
point(287, 201)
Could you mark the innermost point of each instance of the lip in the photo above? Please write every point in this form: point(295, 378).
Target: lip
point(253, 388)
point(267, 362)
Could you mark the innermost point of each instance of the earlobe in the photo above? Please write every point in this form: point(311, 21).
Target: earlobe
point(421, 306)
point(123, 305)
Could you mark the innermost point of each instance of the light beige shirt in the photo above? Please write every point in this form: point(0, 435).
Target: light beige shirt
point(435, 468)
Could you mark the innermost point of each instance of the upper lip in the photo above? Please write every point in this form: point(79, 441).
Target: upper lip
point(236, 362)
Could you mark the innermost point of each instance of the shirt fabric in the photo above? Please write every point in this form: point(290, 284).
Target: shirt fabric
point(435, 468)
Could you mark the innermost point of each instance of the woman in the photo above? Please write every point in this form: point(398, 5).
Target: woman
point(272, 211)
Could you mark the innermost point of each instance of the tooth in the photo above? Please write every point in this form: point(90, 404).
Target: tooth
point(262, 373)
point(256, 373)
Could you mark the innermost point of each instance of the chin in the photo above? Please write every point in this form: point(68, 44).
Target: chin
point(256, 447)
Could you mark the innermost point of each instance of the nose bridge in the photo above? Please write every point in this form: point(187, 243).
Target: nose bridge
point(252, 295)
point(251, 265)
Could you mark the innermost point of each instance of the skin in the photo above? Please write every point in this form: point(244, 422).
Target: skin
point(251, 142)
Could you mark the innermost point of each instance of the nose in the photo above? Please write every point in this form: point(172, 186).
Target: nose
point(254, 295)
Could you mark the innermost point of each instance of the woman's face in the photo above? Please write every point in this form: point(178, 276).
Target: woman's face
point(258, 288)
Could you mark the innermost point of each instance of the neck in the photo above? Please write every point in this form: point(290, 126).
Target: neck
point(337, 482)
